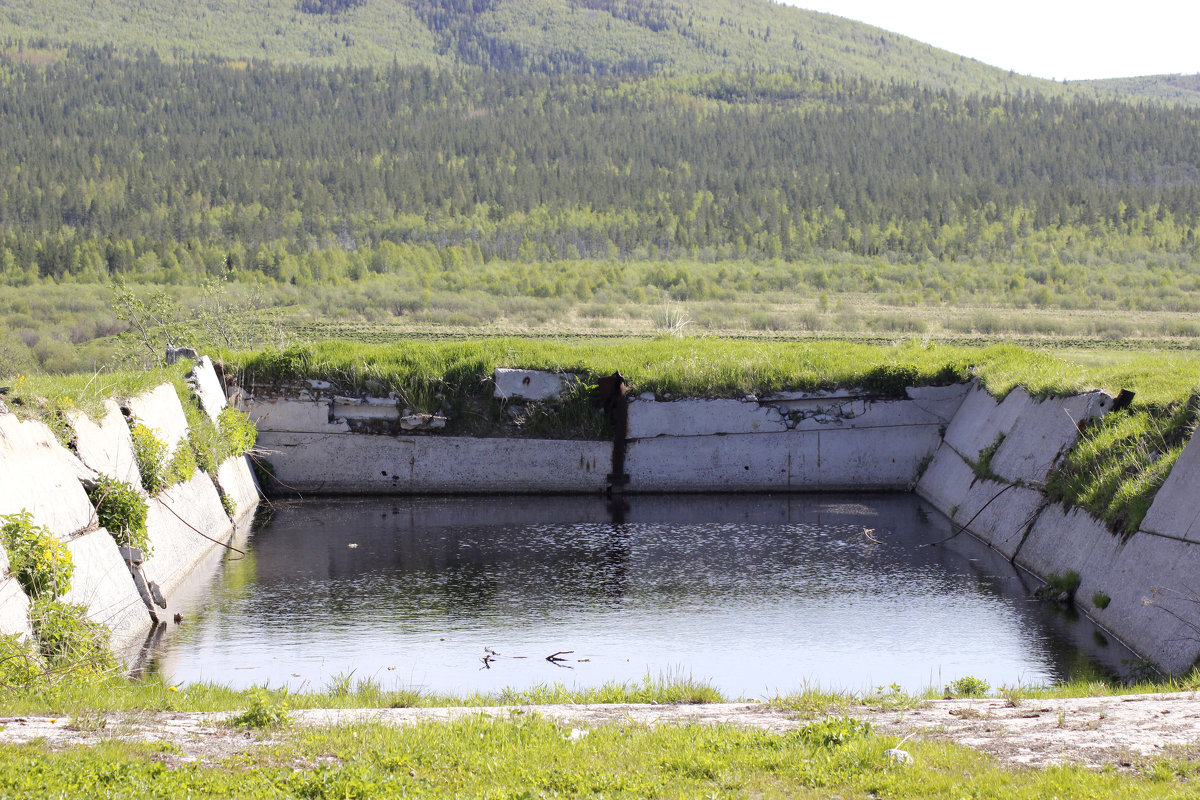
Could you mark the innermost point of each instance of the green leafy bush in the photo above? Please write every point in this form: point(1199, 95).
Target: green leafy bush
point(267, 710)
point(20, 663)
point(969, 686)
point(834, 731)
point(69, 640)
point(121, 510)
point(41, 563)
point(238, 431)
point(182, 466)
point(1101, 600)
point(152, 459)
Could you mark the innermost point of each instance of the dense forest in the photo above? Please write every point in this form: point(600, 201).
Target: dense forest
point(110, 166)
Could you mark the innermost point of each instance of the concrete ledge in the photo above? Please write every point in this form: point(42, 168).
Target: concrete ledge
point(183, 522)
point(283, 415)
point(649, 418)
point(339, 464)
point(159, 410)
point(530, 384)
point(102, 583)
point(885, 458)
point(107, 447)
point(40, 476)
point(1042, 431)
point(14, 608)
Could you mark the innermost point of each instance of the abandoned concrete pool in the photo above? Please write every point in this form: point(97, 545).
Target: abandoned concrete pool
point(712, 538)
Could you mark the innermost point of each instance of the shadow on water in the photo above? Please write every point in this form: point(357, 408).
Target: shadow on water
point(754, 593)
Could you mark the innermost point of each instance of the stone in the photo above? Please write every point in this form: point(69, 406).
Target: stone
point(530, 384)
point(422, 422)
point(14, 608)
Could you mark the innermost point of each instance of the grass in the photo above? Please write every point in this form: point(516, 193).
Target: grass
point(525, 755)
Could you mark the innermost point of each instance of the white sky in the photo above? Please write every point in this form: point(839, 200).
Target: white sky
point(1061, 39)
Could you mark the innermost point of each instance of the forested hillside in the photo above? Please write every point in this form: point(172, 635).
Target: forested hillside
point(579, 36)
point(110, 166)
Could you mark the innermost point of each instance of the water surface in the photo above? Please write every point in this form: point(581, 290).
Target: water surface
point(754, 594)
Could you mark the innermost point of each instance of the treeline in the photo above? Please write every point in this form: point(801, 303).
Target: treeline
point(110, 166)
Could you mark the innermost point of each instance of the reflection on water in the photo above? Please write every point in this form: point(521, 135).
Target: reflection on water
point(755, 594)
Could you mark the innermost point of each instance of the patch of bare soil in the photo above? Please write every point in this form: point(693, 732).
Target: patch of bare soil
point(1090, 731)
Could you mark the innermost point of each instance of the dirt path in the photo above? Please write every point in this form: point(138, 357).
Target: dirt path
point(1092, 731)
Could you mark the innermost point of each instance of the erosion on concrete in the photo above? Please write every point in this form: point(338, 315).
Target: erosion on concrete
point(119, 585)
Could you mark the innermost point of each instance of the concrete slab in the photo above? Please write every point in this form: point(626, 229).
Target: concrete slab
point(1175, 511)
point(207, 387)
point(737, 462)
point(14, 608)
point(979, 420)
point(1155, 606)
point(1065, 541)
point(183, 521)
point(1042, 432)
point(997, 513)
point(339, 464)
point(366, 408)
point(102, 583)
point(530, 384)
point(160, 411)
point(39, 475)
point(293, 415)
point(941, 402)
point(236, 479)
point(107, 447)
point(862, 460)
point(648, 419)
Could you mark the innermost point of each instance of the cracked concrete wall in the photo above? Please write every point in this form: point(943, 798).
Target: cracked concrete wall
point(40, 475)
point(1138, 588)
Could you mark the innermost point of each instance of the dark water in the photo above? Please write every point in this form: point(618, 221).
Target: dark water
point(754, 594)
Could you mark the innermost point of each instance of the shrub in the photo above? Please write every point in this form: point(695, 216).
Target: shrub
point(238, 431)
point(20, 663)
point(834, 731)
point(40, 562)
point(121, 511)
point(152, 459)
point(1101, 600)
point(69, 640)
point(267, 710)
point(183, 465)
point(969, 686)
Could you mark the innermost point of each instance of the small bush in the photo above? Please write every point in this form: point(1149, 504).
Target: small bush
point(68, 640)
point(969, 686)
point(230, 505)
point(834, 731)
point(267, 710)
point(152, 459)
point(1058, 585)
point(1101, 600)
point(41, 563)
point(20, 663)
point(121, 511)
point(182, 466)
point(238, 432)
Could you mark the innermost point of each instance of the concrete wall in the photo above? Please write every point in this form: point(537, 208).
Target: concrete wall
point(795, 442)
point(1151, 580)
point(185, 523)
point(790, 442)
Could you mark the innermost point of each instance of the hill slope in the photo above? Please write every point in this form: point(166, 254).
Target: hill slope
point(601, 36)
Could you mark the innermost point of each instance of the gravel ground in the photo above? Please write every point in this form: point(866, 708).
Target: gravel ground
point(1091, 731)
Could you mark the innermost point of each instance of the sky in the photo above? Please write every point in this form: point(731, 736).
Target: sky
point(1057, 39)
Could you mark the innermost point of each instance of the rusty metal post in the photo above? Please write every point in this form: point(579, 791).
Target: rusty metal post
point(612, 390)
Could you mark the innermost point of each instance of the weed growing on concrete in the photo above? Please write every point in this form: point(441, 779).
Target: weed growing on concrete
point(1059, 587)
point(39, 561)
point(982, 466)
point(69, 641)
point(1101, 600)
point(266, 710)
point(152, 458)
point(121, 510)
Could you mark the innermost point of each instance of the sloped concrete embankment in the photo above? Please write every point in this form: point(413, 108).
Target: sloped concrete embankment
point(1142, 588)
point(39, 475)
